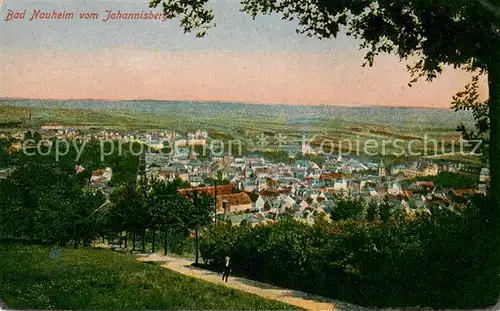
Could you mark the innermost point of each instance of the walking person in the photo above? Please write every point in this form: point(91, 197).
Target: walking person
point(227, 269)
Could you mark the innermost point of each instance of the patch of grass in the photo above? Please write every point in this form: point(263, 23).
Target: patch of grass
point(99, 279)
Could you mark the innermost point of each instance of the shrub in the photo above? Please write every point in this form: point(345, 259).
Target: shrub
point(449, 259)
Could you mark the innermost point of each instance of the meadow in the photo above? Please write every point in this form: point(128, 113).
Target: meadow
point(246, 122)
point(41, 277)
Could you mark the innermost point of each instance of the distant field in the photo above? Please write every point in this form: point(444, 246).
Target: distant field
point(86, 117)
point(35, 277)
point(246, 122)
point(298, 117)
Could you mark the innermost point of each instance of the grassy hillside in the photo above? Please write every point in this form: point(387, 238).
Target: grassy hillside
point(84, 117)
point(42, 278)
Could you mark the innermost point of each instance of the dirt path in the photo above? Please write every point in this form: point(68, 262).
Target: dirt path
point(291, 297)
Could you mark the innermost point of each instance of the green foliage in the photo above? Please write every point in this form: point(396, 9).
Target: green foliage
point(278, 156)
point(154, 205)
point(372, 211)
point(35, 136)
point(11, 124)
point(35, 277)
point(6, 159)
point(199, 210)
point(129, 211)
point(385, 209)
point(217, 243)
point(318, 159)
point(125, 165)
point(166, 205)
point(218, 182)
point(469, 100)
point(449, 180)
point(202, 153)
point(122, 161)
point(45, 203)
point(347, 208)
point(441, 260)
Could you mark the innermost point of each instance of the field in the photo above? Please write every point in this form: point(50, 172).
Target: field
point(354, 130)
point(38, 277)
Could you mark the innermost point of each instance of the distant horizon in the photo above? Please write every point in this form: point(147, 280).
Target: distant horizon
point(353, 105)
point(241, 60)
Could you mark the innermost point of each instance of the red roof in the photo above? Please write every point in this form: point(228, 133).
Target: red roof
point(462, 192)
point(399, 196)
point(99, 172)
point(221, 190)
point(331, 176)
point(285, 190)
point(425, 183)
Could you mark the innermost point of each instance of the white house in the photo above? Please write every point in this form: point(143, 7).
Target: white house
point(394, 188)
point(430, 170)
point(484, 177)
point(259, 204)
point(340, 184)
point(101, 177)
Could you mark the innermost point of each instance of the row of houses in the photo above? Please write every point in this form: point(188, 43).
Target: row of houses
point(305, 204)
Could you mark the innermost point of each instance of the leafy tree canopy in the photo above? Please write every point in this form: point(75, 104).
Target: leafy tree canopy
point(459, 33)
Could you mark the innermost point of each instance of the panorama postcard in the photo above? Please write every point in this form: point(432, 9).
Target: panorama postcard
point(250, 155)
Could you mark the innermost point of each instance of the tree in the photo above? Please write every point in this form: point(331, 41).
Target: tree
point(218, 181)
point(43, 203)
point(385, 209)
point(86, 219)
point(167, 207)
point(129, 212)
point(176, 184)
point(31, 135)
point(347, 208)
point(198, 214)
point(464, 34)
point(201, 152)
point(372, 211)
point(5, 157)
point(469, 100)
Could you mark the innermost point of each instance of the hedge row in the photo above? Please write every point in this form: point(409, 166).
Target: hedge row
point(449, 259)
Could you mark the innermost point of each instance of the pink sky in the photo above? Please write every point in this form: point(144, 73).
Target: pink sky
point(265, 77)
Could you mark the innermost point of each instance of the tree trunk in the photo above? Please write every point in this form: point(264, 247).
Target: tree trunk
point(120, 239)
point(196, 246)
point(133, 241)
point(215, 204)
point(494, 115)
point(75, 245)
point(144, 241)
point(165, 242)
point(126, 239)
point(154, 238)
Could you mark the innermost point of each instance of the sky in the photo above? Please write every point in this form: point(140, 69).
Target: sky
point(241, 60)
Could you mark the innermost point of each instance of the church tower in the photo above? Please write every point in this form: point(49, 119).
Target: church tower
point(381, 169)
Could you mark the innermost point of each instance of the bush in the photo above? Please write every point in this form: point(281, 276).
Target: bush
point(449, 259)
